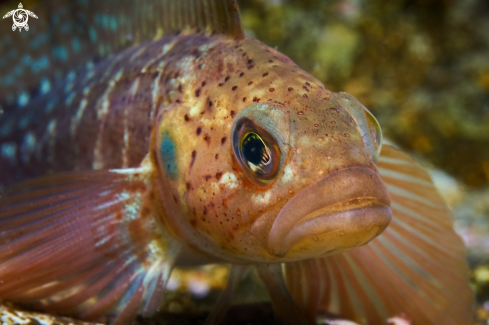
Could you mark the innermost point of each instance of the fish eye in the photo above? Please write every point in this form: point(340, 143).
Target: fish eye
point(257, 151)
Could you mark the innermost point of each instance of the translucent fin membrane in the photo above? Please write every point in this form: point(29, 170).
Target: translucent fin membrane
point(84, 244)
point(416, 267)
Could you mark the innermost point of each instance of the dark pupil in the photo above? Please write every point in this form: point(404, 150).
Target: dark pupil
point(254, 149)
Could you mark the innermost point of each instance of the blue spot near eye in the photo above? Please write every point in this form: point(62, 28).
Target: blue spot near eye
point(168, 155)
point(75, 45)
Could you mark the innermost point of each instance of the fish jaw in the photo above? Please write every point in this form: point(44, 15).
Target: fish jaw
point(346, 209)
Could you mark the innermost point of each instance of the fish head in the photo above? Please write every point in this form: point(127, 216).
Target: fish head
point(283, 169)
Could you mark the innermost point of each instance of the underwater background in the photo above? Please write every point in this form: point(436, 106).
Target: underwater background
point(421, 67)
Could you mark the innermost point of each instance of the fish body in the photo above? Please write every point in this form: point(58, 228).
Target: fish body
point(212, 146)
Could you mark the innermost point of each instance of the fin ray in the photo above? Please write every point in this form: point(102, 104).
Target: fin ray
point(79, 244)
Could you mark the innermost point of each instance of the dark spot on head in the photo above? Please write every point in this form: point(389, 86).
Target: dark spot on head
point(198, 131)
point(203, 83)
point(175, 199)
point(177, 101)
point(256, 99)
point(290, 89)
point(188, 186)
point(271, 90)
point(207, 177)
point(250, 67)
point(271, 61)
point(205, 210)
point(186, 118)
point(305, 88)
point(234, 88)
point(232, 113)
point(223, 140)
point(308, 83)
point(194, 154)
point(210, 103)
point(250, 83)
point(226, 79)
point(241, 74)
point(218, 175)
point(207, 139)
point(265, 74)
point(244, 99)
point(216, 156)
point(305, 96)
point(220, 84)
point(250, 61)
point(180, 88)
point(197, 93)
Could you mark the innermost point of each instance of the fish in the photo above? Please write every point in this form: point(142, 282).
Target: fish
point(175, 139)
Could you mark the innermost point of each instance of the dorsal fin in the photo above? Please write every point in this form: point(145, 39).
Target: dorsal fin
point(68, 36)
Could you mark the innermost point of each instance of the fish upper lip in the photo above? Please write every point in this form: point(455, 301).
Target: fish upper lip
point(337, 195)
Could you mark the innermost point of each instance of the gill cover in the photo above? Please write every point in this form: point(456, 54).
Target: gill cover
point(367, 123)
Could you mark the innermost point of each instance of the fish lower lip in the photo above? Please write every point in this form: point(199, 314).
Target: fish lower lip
point(354, 227)
point(344, 210)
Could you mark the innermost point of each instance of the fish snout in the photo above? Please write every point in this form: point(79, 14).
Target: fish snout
point(346, 209)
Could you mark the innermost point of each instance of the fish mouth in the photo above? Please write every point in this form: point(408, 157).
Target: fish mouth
point(346, 209)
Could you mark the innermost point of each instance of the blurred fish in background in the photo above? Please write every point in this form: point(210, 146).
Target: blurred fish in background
point(395, 58)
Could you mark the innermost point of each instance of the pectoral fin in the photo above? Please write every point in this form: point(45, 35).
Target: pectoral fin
point(416, 267)
point(85, 244)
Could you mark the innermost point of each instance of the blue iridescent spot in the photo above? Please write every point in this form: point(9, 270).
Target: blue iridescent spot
point(23, 99)
point(40, 64)
point(168, 155)
point(60, 52)
point(45, 85)
point(76, 45)
point(113, 24)
point(92, 34)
